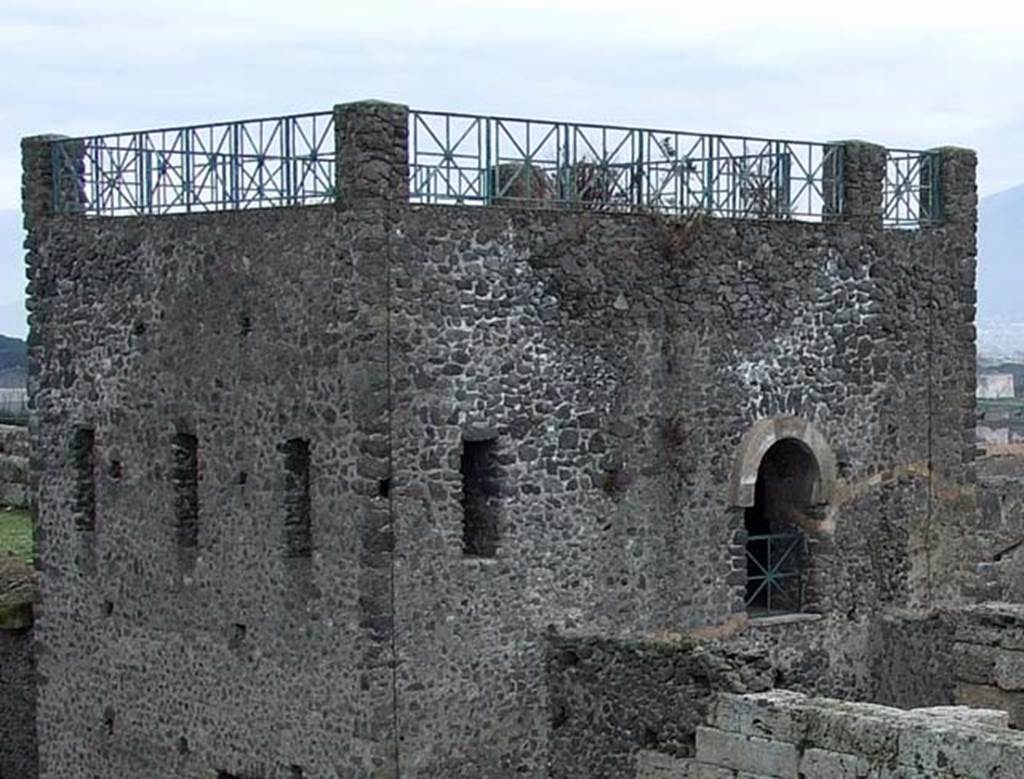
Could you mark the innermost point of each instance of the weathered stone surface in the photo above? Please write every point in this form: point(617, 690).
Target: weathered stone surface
point(837, 739)
point(747, 753)
point(610, 699)
point(1009, 670)
point(988, 696)
point(815, 763)
point(17, 704)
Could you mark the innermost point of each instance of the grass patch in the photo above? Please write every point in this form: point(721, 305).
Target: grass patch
point(1003, 404)
point(16, 535)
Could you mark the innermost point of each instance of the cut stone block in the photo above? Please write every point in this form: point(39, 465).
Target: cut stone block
point(823, 764)
point(975, 663)
point(841, 728)
point(775, 715)
point(1009, 670)
point(747, 753)
point(933, 749)
point(992, 624)
point(990, 697)
point(655, 765)
point(968, 715)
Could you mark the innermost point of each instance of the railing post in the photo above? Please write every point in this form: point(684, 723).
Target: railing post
point(861, 182)
point(372, 152)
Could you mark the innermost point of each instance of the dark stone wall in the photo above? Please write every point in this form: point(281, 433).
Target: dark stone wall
point(163, 658)
point(912, 661)
point(617, 361)
point(17, 705)
point(610, 699)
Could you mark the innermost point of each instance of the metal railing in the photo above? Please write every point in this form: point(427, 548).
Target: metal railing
point(911, 189)
point(279, 161)
point(464, 158)
point(484, 160)
point(775, 572)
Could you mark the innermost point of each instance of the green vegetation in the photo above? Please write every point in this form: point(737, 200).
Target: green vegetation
point(1001, 404)
point(16, 535)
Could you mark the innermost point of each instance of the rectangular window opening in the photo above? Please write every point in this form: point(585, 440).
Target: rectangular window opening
point(480, 498)
point(83, 457)
point(185, 476)
point(298, 536)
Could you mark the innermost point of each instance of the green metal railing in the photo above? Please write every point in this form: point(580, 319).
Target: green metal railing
point(484, 160)
point(467, 159)
point(278, 161)
point(775, 572)
point(912, 193)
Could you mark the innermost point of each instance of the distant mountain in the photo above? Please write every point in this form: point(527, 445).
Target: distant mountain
point(1001, 274)
point(13, 362)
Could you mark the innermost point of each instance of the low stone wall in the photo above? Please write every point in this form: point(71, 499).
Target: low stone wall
point(612, 699)
point(787, 735)
point(14, 451)
point(1000, 533)
point(989, 658)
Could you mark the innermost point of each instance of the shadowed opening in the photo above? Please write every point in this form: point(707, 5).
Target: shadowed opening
point(298, 534)
point(83, 458)
point(185, 477)
point(480, 493)
point(775, 524)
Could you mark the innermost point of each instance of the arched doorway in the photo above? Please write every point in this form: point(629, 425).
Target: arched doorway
point(776, 525)
point(783, 476)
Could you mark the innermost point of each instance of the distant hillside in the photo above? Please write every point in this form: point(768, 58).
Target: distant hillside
point(13, 362)
point(1001, 273)
point(1001, 255)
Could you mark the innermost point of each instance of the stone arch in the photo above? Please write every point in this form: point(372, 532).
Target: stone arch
point(761, 437)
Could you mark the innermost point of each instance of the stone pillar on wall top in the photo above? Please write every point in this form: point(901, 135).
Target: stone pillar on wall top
point(958, 190)
point(863, 170)
point(372, 152)
point(37, 179)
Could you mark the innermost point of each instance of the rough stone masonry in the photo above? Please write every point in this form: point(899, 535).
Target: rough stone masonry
point(258, 436)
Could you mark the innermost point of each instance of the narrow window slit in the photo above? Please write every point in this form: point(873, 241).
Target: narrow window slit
point(298, 536)
point(83, 456)
point(480, 498)
point(185, 476)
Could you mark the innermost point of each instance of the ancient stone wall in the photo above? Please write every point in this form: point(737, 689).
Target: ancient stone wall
point(611, 699)
point(1000, 529)
point(14, 461)
point(17, 703)
point(786, 735)
point(207, 386)
point(165, 656)
point(989, 658)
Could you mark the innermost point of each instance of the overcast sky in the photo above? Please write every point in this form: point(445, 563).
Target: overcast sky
point(899, 73)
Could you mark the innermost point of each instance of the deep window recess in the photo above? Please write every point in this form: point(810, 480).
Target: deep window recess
point(185, 476)
point(83, 457)
point(776, 545)
point(480, 498)
point(298, 536)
